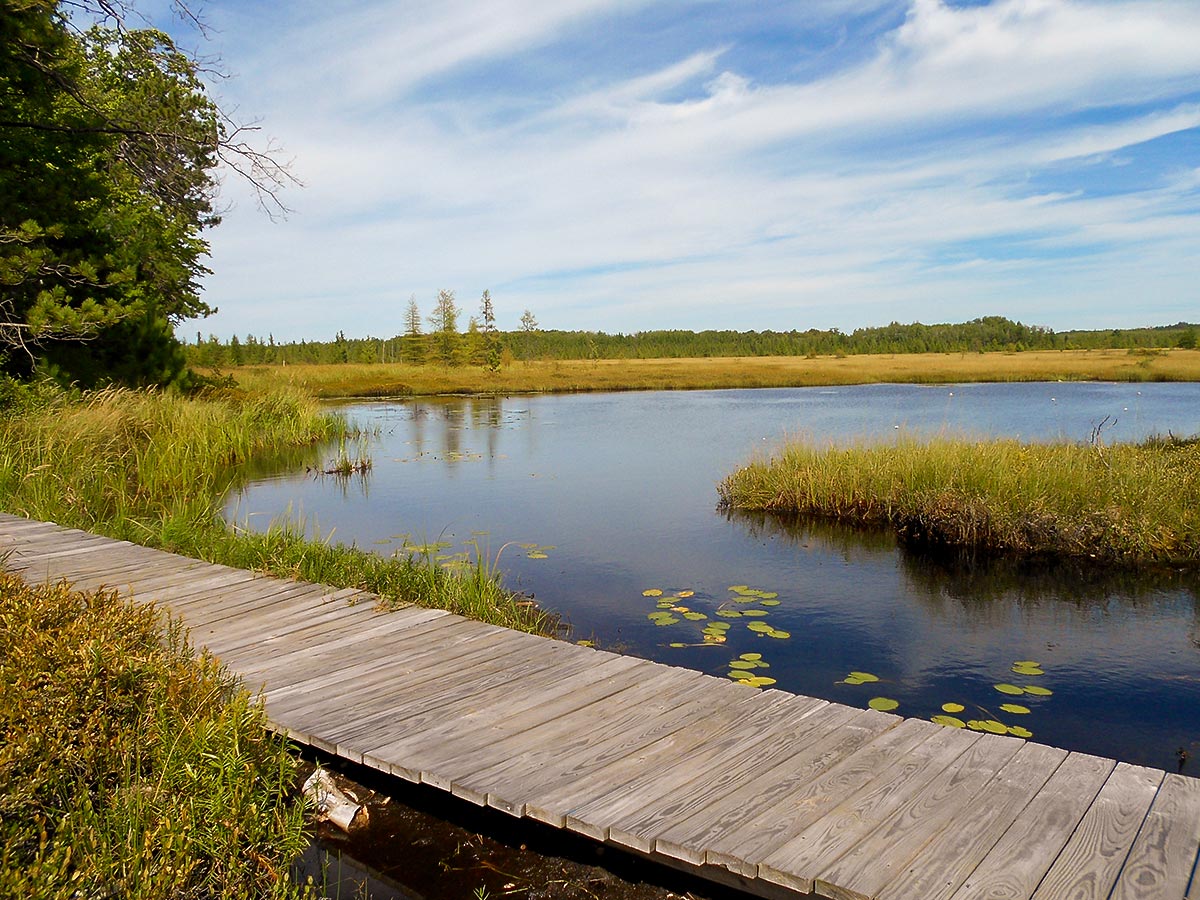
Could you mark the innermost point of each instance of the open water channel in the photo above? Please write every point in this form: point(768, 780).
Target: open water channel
point(590, 500)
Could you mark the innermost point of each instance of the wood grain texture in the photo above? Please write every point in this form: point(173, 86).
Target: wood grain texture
point(1088, 866)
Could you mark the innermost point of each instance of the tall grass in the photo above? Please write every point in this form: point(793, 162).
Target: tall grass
point(130, 767)
point(152, 468)
point(1124, 504)
point(393, 379)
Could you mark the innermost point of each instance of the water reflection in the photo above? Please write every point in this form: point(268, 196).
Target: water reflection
point(623, 487)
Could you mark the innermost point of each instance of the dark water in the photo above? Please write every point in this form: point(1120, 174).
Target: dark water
point(622, 489)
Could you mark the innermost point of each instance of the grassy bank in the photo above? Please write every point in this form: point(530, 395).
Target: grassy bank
point(152, 468)
point(1125, 504)
point(388, 379)
point(129, 767)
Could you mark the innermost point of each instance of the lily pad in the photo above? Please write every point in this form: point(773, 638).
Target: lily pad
point(536, 554)
point(742, 598)
point(1018, 731)
point(767, 595)
point(586, 643)
point(760, 681)
point(776, 633)
point(695, 616)
point(1038, 690)
point(743, 664)
point(993, 727)
point(754, 613)
point(1010, 689)
point(738, 588)
point(677, 644)
point(952, 707)
point(769, 602)
point(652, 592)
point(864, 677)
point(883, 704)
point(949, 721)
point(1015, 708)
point(686, 594)
point(762, 627)
point(739, 675)
point(729, 613)
point(1028, 670)
point(751, 657)
point(1027, 662)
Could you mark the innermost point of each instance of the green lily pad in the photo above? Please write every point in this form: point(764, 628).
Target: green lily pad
point(769, 602)
point(767, 595)
point(677, 644)
point(536, 554)
point(718, 626)
point(949, 721)
point(741, 598)
point(776, 633)
point(1037, 690)
point(754, 613)
point(1027, 662)
point(993, 727)
point(751, 657)
point(1010, 689)
point(743, 664)
point(652, 592)
point(729, 613)
point(695, 616)
point(864, 677)
point(883, 704)
point(760, 681)
point(1028, 670)
point(1015, 708)
point(739, 675)
point(760, 626)
point(1018, 731)
point(738, 588)
point(952, 707)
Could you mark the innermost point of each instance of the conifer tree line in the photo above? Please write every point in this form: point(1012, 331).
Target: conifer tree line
point(438, 339)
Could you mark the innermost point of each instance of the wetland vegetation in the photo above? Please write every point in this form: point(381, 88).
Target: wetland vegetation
point(1126, 504)
point(349, 380)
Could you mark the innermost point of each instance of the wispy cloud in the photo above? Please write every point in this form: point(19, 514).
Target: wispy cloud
point(1007, 158)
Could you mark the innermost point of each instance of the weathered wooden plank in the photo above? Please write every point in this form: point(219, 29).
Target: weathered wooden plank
point(415, 754)
point(493, 699)
point(1012, 869)
point(259, 598)
point(968, 830)
point(589, 756)
point(842, 771)
point(877, 856)
point(1163, 855)
point(735, 799)
point(567, 785)
point(798, 860)
point(291, 687)
point(648, 810)
point(1092, 859)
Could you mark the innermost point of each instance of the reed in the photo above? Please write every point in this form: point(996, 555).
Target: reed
point(152, 468)
point(398, 380)
point(130, 767)
point(1123, 504)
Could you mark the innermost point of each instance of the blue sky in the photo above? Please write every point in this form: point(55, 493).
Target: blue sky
point(622, 165)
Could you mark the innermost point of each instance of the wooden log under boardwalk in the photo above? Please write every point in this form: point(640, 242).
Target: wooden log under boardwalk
point(843, 803)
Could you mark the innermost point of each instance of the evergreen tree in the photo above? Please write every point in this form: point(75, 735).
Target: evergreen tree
point(413, 342)
point(491, 337)
point(444, 322)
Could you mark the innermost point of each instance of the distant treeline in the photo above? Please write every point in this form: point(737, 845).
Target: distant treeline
point(991, 333)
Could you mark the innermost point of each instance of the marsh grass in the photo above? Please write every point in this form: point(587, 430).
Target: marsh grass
point(398, 380)
point(1122, 504)
point(152, 468)
point(130, 767)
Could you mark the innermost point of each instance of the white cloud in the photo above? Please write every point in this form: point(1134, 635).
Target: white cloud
point(831, 199)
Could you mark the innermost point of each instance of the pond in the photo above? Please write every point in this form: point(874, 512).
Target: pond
point(589, 501)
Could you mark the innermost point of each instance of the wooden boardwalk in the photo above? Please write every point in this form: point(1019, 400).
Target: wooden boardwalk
point(777, 793)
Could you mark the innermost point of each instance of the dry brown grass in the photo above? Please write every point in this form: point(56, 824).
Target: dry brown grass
point(386, 379)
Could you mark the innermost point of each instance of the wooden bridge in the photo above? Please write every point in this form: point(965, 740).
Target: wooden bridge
point(779, 794)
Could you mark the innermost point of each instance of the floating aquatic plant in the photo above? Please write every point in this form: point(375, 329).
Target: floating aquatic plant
point(883, 704)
